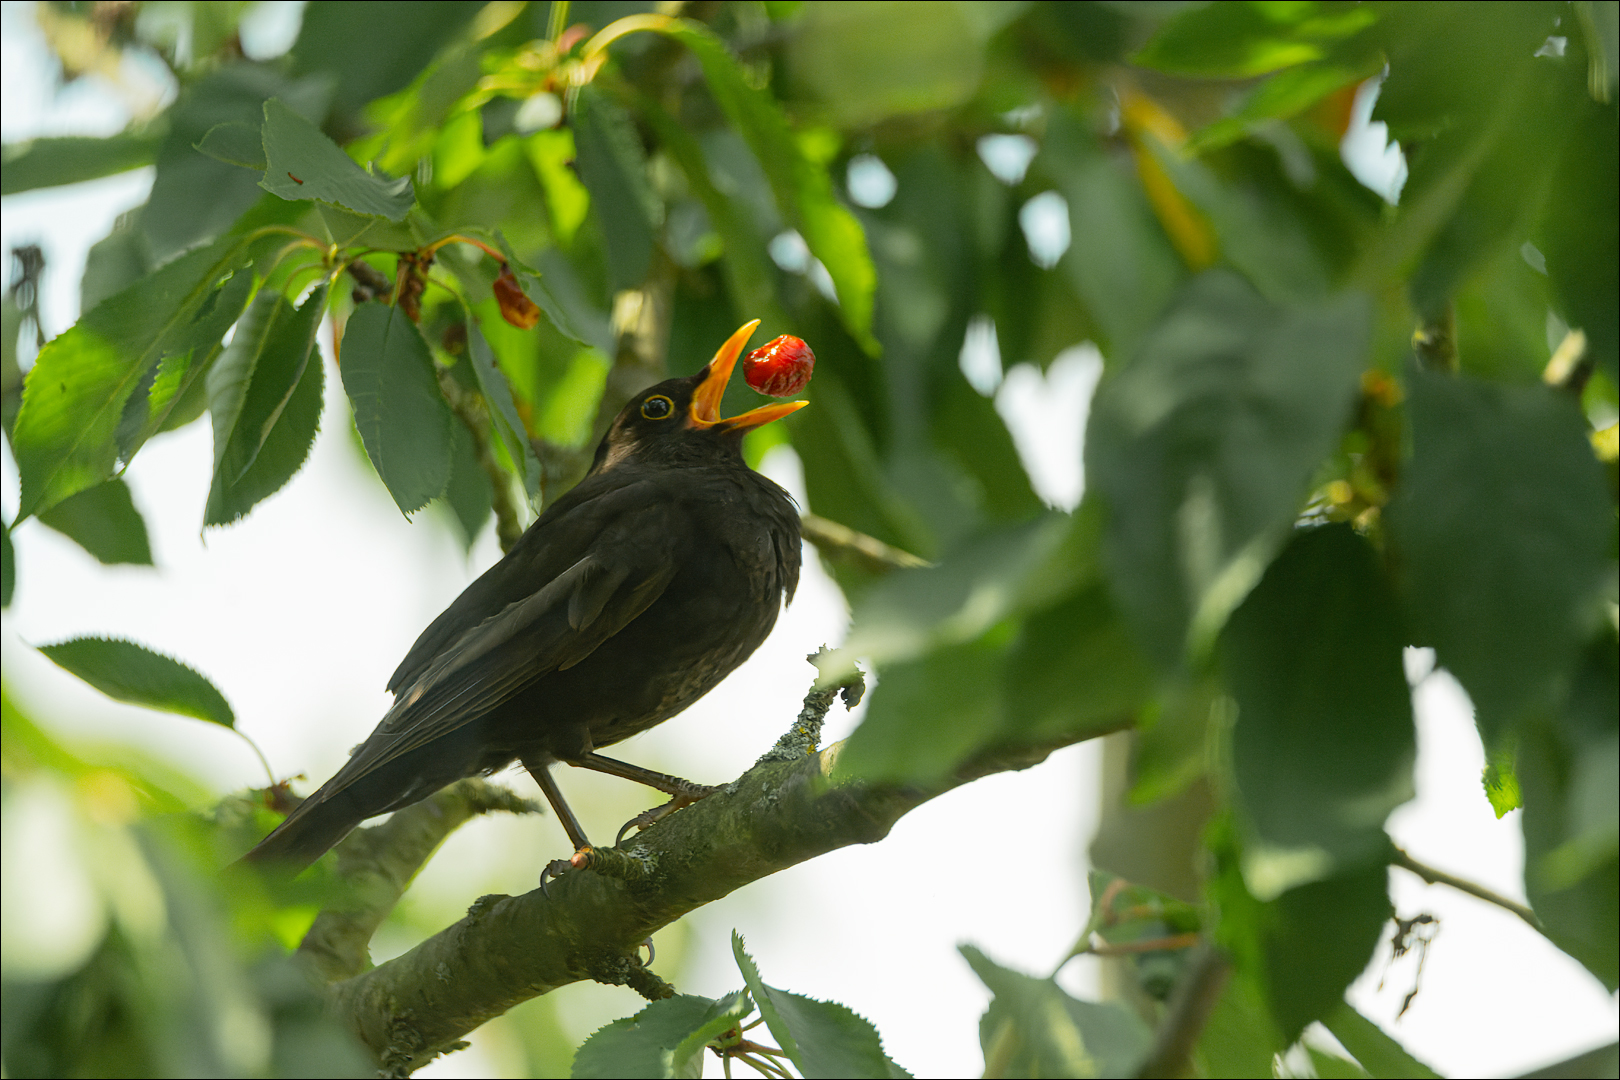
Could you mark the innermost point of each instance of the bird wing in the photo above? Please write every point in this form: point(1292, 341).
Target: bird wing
point(629, 564)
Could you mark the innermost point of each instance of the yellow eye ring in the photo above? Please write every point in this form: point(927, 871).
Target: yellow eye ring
point(658, 407)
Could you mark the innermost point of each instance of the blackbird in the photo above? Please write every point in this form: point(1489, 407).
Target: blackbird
point(629, 598)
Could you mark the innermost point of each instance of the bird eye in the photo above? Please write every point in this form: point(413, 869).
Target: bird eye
point(657, 407)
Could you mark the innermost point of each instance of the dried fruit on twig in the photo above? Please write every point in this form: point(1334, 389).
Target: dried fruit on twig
point(516, 308)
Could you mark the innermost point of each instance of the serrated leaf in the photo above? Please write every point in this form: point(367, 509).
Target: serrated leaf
point(1033, 1028)
point(822, 1038)
point(251, 383)
point(1501, 528)
point(67, 433)
point(401, 415)
point(103, 520)
point(1324, 743)
point(302, 163)
point(1204, 444)
point(133, 673)
point(498, 393)
point(286, 437)
point(69, 159)
point(666, 1039)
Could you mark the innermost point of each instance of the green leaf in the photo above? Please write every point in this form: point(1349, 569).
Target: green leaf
point(8, 566)
point(1204, 445)
point(1286, 94)
point(822, 1038)
point(367, 53)
point(1074, 669)
point(1379, 1054)
point(613, 166)
point(67, 434)
point(402, 417)
point(69, 159)
point(304, 164)
point(1501, 782)
point(666, 1039)
point(1241, 40)
point(1126, 272)
point(1324, 742)
point(1580, 231)
point(1500, 528)
point(802, 187)
point(115, 262)
point(265, 395)
point(1033, 1028)
point(103, 520)
point(468, 496)
point(133, 673)
point(1240, 1038)
point(235, 143)
point(498, 393)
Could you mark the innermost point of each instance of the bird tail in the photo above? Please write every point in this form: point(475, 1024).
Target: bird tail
point(313, 828)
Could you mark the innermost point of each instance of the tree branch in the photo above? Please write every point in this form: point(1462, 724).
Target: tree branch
point(790, 807)
point(1195, 998)
point(1440, 877)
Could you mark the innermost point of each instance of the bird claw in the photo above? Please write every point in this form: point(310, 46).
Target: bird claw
point(651, 952)
point(648, 818)
point(557, 868)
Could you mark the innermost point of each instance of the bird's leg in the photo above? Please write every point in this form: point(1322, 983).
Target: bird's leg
point(684, 792)
point(541, 771)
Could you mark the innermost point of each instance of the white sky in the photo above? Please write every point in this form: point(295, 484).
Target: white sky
point(300, 613)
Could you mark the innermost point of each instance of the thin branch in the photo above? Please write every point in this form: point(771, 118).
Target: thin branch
point(832, 537)
point(1440, 877)
point(512, 948)
point(1190, 1006)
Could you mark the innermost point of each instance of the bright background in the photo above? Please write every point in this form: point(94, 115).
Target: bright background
point(300, 612)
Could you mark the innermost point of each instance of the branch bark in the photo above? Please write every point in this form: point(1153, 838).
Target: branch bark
point(790, 807)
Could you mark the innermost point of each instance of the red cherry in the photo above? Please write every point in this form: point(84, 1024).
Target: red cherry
point(781, 367)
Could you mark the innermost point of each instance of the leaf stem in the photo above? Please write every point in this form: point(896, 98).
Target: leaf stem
point(1440, 877)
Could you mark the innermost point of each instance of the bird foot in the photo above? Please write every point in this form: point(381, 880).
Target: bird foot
point(649, 818)
point(558, 867)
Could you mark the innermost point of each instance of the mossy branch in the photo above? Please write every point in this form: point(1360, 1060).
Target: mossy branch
point(788, 809)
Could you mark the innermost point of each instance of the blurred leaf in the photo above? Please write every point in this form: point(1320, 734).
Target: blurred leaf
point(802, 187)
point(1500, 528)
point(868, 62)
point(1501, 782)
point(133, 673)
point(1123, 267)
point(822, 1038)
point(302, 163)
point(1580, 229)
point(48, 162)
point(398, 409)
point(1286, 94)
point(103, 520)
point(1324, 743)
point(551, 153)
point(1204, 446)
point(1074, 669)
point(265, 394)
point(1570, 774)
point(1379, 1054)
point(235, 143)
point(115, 262)
point(8, 566)
point(1240, 40)
point(1033, 1028)
point(1240, 1037)
point(367, 56)
point(65, 438)
point(613, 165)
point(1307, 945)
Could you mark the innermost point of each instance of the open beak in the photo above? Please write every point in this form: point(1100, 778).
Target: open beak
point(705, 409)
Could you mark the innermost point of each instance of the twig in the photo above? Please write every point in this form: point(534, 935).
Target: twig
point(830, 536)
point(1194, 999)
point(1440, 877)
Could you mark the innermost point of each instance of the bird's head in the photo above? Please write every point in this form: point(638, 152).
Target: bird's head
point(678, 421)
